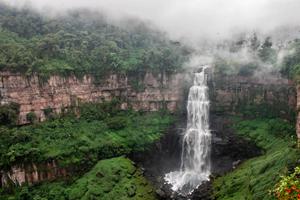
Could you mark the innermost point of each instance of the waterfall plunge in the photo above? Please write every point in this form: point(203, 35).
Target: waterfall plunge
point(196, 144)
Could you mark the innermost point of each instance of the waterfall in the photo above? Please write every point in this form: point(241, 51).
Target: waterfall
point(196, 143)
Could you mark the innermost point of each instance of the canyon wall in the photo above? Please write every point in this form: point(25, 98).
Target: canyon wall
point(269, 96)
point(149, 92)
point(32, 173)
point(228, 95)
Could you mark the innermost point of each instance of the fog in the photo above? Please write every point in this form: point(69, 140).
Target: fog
point(204, 25)
point(192, 20)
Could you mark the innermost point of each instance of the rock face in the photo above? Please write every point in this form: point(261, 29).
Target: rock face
point(149, 92)
point(31, 173)
point(34, 95)
point(251, 95)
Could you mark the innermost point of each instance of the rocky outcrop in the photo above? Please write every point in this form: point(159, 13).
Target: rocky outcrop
point(35, 95)
point(31, 173)
point(239, 94)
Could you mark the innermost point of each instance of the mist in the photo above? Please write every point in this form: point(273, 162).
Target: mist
point(210, 27)
point(193, 20)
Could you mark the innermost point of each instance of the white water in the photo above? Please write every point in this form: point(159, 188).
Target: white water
point(196, 144)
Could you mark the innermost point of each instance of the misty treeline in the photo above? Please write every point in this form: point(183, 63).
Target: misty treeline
point(82, 41)
point(248, 54)
point(291, 63)
point(255, 54)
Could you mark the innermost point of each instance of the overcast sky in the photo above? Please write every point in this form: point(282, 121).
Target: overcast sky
point(192, 18)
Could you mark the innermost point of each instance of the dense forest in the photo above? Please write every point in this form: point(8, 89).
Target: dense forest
point(81, 42)
point(85, 146)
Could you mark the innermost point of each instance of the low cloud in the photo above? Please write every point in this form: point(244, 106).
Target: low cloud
point(192, 20)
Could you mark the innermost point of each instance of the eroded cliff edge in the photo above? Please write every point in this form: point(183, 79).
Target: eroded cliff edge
point(238, 95)
point(149, 92)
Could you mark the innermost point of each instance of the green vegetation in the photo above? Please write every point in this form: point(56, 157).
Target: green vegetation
point(115, 178)
point(266, 53)
point(291, 63)
point(246, 56)
point(227, 67)
point(31, 117)
point(289, 186)
point(102, 131)
point(264, 109)
point(81, 42)
point(9, 114)
point(256, 177)
point(84, 140)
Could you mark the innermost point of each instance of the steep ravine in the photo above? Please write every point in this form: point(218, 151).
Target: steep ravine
point(229, 95)
point(228, 151)
point(248, 97)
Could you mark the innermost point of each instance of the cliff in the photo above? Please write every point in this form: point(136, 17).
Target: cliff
point(253, 96)
point(32, 173)
point(149, 92)
point(240, 95)
point(58, 93)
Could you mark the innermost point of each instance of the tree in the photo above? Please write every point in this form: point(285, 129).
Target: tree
point(266, 52)
point(31, 117)
point(254, 42)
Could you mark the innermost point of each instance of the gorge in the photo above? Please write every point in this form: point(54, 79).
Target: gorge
point(241, 96)
point(94, 107)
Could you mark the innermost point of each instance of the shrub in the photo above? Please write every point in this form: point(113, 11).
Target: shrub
point(31, 117)
point(92, 112)
point(99, 111)
point(280, 127)
point(288, 187)
point(116, 123)
point(48, 112)
point(9, 114)
point(248, 69)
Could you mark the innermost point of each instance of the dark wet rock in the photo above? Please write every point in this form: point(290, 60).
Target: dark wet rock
point(228, 151)
point(203, 192)
point(236, 163)
point(162, 194)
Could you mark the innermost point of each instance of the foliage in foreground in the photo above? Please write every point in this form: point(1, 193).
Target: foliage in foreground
point(83, 141)
point(288, 187)
point(115, 178)
point(253, 179)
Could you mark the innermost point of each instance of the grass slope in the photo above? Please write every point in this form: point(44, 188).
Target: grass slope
point(254, 178)
point(115, 178)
